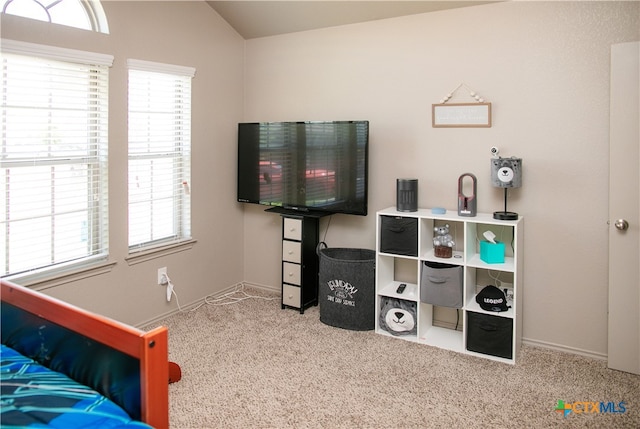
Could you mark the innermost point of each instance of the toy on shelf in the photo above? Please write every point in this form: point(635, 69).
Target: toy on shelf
point(443, 241)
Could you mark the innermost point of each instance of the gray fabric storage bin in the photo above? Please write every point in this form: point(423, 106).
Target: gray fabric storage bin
point(441, 284)
point(398, 316)
point(347, 288)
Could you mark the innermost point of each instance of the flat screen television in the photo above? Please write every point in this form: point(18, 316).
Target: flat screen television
point(304, 166)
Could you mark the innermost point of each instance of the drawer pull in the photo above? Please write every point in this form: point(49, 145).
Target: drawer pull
point(290, 252)
point(290, 274)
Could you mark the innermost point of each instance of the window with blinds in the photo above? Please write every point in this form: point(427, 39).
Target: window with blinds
point(159, 154)
point(53, 161)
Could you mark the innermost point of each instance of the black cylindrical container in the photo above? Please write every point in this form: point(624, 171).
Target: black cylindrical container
point(347, 293)
point(407, 195)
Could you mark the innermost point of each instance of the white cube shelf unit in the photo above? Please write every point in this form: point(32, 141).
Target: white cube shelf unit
point(403, 261)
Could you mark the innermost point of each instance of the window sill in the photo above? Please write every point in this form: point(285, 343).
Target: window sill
point(158, 252)
point(46, 280)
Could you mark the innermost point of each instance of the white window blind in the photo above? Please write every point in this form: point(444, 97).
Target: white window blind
point(53, 161)
point(159, 154)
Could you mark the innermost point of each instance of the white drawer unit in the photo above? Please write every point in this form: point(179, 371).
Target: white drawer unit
point(405, 254)
point(292, 229)
point(292, 251)
point(291, 296)
point(300, 261)
point(291, 273)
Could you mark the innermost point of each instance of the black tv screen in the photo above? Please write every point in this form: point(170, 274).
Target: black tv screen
point(304, 166)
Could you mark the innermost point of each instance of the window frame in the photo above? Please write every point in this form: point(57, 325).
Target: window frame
point(93, 10)
point(139, 252)
point(88, 262)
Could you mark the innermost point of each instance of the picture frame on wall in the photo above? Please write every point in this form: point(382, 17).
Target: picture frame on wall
point(461, 115)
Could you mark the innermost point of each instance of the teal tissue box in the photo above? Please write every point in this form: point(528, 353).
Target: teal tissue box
point(492, 253)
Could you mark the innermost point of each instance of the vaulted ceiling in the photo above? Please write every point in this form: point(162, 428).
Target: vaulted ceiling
point(253, 19)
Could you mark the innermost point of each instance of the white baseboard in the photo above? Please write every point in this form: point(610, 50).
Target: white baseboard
point(563, 348)
point(536, 343)
point(270, 288)
point(263, 287)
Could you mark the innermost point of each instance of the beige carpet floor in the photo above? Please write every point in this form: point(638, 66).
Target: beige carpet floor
point(251, 364)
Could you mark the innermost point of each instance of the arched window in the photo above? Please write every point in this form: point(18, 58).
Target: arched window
point(84, 14)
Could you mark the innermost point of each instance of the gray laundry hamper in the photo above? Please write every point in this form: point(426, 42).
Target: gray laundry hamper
point(347, 288)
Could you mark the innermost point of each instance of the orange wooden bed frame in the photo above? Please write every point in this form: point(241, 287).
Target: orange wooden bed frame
point(149, 348)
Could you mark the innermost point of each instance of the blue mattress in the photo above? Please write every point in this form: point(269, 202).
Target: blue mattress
point(33, 396)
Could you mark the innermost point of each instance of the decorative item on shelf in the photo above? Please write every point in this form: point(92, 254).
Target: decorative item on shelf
point(443, 242)
point(467, 205)
point(454, 115)
point(506, 173)
point(398, 316)
point(407, 195)
point(492, 253)
point(490, 298)
point(443, 251)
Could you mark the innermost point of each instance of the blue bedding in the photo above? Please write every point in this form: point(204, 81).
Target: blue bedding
point(33, 396)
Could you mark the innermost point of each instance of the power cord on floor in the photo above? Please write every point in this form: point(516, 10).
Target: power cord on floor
point(230, 297)
point(224, 299)
point(238, 294)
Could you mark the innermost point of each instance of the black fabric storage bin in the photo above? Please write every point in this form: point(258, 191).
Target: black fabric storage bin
point(490, 335)
point(347, 288)
point(441, 284)
point(399, 235)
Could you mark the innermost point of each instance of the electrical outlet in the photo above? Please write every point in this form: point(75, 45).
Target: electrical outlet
point(507, 288)
point(162, 276)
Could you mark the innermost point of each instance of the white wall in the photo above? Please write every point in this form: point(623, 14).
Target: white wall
point(182, 33)
point(544, 66)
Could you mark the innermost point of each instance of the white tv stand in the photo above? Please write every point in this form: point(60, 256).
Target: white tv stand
point(392, 269)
